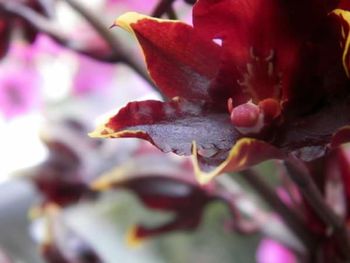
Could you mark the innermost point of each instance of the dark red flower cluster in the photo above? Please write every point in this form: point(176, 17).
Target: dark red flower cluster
point(164, 184)
point(249, 81)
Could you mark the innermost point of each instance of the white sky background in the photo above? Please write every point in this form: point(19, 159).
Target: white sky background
point(20, 145)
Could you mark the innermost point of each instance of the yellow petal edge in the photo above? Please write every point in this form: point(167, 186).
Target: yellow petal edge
point(103, 131)
point(126, 20)
point(234, 155)
point(346, 35)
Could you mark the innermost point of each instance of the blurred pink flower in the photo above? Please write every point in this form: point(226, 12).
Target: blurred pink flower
point(92, 75)
point(19, 83)
point(270, 251)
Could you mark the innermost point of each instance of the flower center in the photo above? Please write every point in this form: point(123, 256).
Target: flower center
point(249, 118)
point(262, 83)
point(261, 80)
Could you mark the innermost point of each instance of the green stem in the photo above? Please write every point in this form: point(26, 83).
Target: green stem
point(291, 219)
point(315, 199)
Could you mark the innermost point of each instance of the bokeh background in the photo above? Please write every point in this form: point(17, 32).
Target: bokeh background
point(50, 94)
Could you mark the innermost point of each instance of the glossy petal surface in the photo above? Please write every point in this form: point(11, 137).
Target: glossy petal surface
point(282, 51)
point(173, 126)
point(180, 61)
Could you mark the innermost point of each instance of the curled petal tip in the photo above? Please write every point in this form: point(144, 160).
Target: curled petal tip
point(202, 177)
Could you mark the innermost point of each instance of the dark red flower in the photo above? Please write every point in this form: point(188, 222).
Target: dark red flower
point(164, 184)
point(62, 179)
point(275, 78)
point(331, 175)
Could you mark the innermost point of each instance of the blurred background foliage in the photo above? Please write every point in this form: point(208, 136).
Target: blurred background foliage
point(44, 88)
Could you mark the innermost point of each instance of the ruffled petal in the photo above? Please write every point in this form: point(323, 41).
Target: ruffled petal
point(172, 126)
point(180, 61)
point(245, 153)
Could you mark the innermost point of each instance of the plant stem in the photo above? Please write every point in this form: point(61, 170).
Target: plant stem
point(172, 14)
point(112, 41)
point(46, 26)
point(312, 194)
point(164, 6)
point(99, 27)
point(291, 219)
point(48, 7)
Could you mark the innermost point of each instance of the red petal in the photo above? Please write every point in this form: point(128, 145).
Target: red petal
point(189, 222)
point(245, 26)
point(179, 60)
point(284, 27)
point(172, 126)
point(340, 137)
point(344, 4)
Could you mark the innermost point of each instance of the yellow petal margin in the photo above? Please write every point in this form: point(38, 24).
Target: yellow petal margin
point(126, 20)
point(103, 131)
point(344, 17)
point(245, 153)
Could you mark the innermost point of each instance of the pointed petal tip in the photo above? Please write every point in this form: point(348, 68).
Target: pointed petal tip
point(94, 134)
point(100, 132)
point(124, 21)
